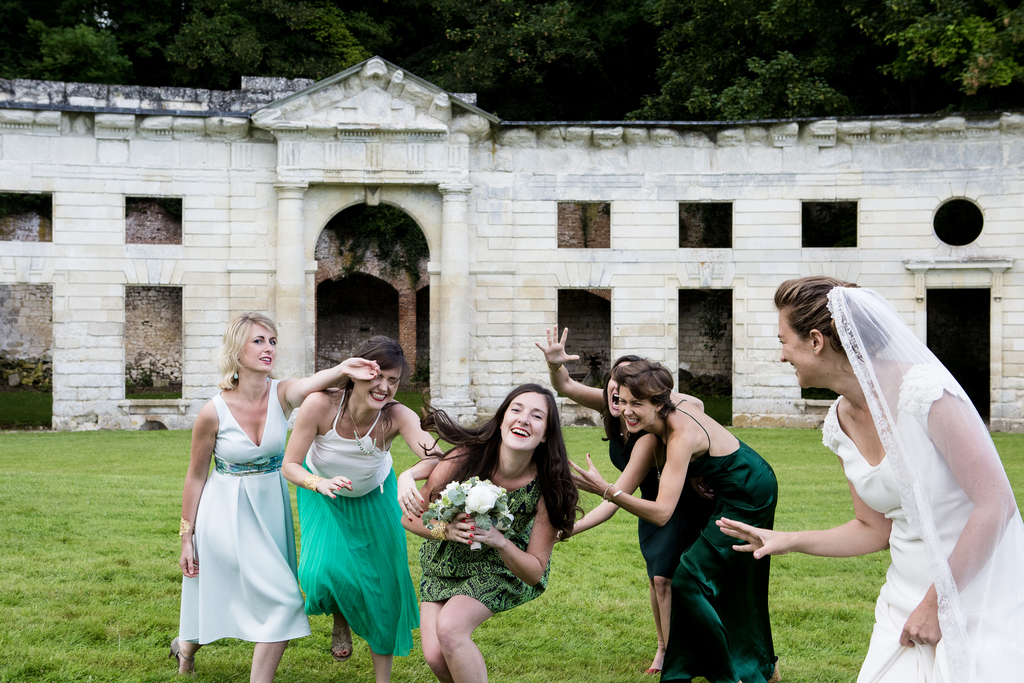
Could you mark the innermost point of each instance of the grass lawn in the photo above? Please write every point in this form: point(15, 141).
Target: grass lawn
point(90, 588)
point(23, 409)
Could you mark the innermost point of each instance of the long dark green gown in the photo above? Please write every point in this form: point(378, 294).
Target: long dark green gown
point(720, 628)
point(662, 546)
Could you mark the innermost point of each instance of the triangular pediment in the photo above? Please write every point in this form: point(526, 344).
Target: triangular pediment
point(372, 95)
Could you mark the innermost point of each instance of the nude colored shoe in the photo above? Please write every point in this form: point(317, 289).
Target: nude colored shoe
point(182, 659)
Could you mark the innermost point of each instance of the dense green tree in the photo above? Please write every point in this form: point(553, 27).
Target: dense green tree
point(77, 53)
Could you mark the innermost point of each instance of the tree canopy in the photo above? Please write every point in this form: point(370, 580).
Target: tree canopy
point(556, 59)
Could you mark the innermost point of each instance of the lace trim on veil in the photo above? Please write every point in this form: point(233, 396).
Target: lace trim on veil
point(925, 387)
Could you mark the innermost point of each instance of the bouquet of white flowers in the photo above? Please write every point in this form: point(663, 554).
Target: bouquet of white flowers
point(485, 502)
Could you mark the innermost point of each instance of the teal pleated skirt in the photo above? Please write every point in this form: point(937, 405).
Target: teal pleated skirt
point(354, 560)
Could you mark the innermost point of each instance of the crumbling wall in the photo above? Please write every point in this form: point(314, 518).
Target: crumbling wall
point(152, 336)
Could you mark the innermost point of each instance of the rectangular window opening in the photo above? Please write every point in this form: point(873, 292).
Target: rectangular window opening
point(705, 225)
point(153, 347)
point(26, 217)
point(958, 333)
point(829, 224)
point(705, 349)
point(588, 315)
point(152, 220)
point(584, 225)
point(26, 356)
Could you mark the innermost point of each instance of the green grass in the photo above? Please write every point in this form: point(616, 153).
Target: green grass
point(90, 587)
point(23, 409)
point(154, 395)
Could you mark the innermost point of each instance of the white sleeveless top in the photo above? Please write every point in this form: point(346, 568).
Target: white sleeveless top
point(366, 465)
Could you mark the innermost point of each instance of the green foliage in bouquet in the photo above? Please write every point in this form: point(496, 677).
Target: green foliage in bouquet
point(485, 502)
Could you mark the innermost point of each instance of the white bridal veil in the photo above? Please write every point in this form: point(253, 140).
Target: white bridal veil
point(952, 485)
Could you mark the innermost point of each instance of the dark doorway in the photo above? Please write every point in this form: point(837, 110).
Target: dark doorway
point(705, 349)
point(349, 311)
point(958, 334)
point(588, 315)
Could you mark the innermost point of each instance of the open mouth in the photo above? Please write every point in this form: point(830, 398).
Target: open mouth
point(520, 432)
point(632, 421)
point(266, 359)
point(378, 397)
point(615, 400)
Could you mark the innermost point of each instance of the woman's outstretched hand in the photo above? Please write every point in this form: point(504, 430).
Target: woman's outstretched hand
point(360, 368)
point(554, 352)
point(761, 542)
point(409, 498)
point(589, 480)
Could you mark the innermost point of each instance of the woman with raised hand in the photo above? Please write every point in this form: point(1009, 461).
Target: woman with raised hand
point(720, 627)
point(237, 520)
point(926, 482)
point(521, 450)
point(354, 562)
point(633, 455)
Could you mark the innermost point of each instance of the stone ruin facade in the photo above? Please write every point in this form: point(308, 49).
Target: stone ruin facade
point(262, 170)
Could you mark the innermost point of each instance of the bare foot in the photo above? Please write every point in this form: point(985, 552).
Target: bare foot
point(658, 664)
point(341, 639)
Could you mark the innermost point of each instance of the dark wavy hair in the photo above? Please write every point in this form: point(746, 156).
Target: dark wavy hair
point(612, 428)
point(646, 379)
point(389, 355)
point(476, 450)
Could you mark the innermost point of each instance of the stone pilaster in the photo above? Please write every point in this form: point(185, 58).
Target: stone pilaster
point(454, 352)
point(290, 290)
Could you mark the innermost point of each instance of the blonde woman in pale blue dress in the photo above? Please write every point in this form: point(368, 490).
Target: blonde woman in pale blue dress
point(237, 536)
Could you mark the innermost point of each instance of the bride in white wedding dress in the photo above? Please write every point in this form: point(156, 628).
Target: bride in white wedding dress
point(927, 484)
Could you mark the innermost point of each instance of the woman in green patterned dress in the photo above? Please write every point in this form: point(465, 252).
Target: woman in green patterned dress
point(521, 450)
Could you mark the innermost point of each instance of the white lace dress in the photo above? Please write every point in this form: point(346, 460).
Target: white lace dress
point(995, 631)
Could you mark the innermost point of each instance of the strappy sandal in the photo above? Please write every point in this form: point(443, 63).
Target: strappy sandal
point(341, 639)
point(178, 657)
point(776, 676)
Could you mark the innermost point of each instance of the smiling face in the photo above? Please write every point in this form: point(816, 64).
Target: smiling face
point(380, 390)
point(260, 350)
point(638, 414)
point(800, 353)
point(524, 426)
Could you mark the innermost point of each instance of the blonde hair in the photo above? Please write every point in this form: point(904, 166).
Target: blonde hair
point(235, 336)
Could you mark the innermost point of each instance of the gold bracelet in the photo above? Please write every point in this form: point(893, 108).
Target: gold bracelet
point(437, 531)
point(555, 367)
point(184, 527)
point(311, 481)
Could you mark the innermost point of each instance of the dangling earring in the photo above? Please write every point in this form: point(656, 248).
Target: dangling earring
point(234, 376)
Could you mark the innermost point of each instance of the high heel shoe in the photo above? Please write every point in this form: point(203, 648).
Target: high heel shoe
point(178, 657)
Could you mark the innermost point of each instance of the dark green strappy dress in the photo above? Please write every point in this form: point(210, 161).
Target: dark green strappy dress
point(451, 569)
point(720, 628)
point(661, 546)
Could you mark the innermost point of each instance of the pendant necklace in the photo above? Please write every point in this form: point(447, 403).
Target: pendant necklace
point(359, 439)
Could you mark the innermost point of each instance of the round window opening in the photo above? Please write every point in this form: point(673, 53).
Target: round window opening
point(958, 222)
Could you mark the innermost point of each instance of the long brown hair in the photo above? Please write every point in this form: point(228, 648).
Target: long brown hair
point(612, 426)
point(389, 355)
point(804, 302)
point(476, 454)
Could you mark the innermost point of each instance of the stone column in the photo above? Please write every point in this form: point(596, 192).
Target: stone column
point(454, 351)
point(290, 290)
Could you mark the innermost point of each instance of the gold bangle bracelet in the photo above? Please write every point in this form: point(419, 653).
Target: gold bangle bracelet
point(555, 367)
point(437, 531)
point(184, 527)
point(311, 481)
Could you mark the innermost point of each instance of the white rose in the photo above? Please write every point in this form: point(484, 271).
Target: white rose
point(481, 499)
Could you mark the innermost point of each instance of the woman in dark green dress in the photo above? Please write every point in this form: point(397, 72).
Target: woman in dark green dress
point(720, 628)
point(633, 455)
point(521, 450)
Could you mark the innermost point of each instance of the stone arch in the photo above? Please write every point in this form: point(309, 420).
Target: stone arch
point(331, 271)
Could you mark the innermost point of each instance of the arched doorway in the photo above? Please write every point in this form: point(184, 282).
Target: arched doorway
point(371, 279)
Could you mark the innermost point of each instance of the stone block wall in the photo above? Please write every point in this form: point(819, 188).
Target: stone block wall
point(350, 311)
point(26, 321)
point(153, 335)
